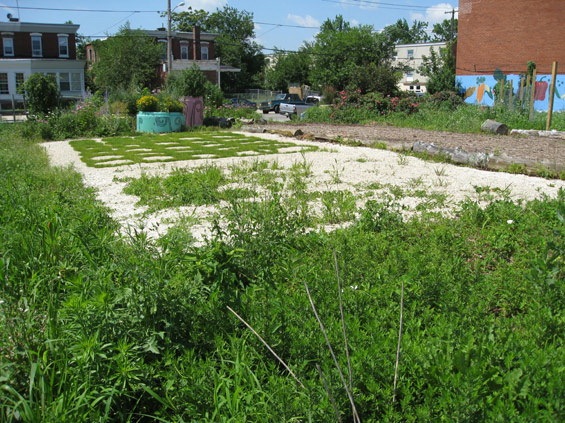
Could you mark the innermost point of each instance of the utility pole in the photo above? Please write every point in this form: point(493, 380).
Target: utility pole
point(452, 27)
point(169, 37)
point(169, 57)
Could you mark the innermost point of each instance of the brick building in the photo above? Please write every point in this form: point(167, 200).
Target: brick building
point(187, 49)
point(28, 48)
point(505, 35)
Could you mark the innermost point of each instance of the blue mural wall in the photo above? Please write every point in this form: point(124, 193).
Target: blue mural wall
point(482, 89)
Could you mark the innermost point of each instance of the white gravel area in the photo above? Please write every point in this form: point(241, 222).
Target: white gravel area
point(366, 172)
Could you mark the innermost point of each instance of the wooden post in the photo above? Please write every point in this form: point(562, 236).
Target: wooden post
point(511, 96)
point(532, 94)
point(551, 96)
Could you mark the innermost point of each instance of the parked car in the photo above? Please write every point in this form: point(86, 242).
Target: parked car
point(289, 109)
point(274, 104)
point(242, 102)
point(315, 99)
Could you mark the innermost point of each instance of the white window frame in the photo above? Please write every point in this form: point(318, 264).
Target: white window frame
point(36, 52)
point(76, 81)
point(8, 45)
point(204, 51)
point(410, 54)
point(63, 45)
point(72, 81)
point(64, 78)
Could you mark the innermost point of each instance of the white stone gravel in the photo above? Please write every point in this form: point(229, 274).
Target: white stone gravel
point(334, 167)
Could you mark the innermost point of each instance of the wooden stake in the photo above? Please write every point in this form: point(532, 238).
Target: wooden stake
point(532, 94)
point(551, 96)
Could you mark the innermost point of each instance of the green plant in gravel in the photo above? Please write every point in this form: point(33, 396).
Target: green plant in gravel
point(95, 326)
point(197, 145)
point(192, 187)
point(338, 206)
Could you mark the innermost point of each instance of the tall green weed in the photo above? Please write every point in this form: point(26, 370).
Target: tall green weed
point(96, 325)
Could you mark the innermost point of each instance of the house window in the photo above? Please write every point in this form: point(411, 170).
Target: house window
point(8, 43)
point(163, 44)
point(69, 81)
point(36, 48)
point(75, 82)
point(410, 54)
point(64, 82)
point(184, 51)
point(204, 52)
point(19, 81)
point(4, 83)
point(409, 76)
point(63, 45)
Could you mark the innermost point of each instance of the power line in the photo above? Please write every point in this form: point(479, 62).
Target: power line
point(53, 9)
point(384, 5)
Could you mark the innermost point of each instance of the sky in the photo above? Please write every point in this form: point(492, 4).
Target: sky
point(284, 25)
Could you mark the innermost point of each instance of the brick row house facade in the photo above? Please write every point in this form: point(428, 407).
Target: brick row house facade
point(187, 49)
point(28, 48)
point(502, 36)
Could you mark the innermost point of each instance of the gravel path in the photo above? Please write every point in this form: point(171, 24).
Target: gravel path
point(368, 173)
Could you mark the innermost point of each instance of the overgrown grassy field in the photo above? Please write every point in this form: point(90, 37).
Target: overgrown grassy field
point(433, 319)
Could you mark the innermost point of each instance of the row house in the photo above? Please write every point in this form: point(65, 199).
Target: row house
point(187, 49)
point(496, 40)
point(410, 57)
point(28, 48)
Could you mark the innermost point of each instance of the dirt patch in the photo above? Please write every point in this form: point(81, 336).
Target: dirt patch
point(532, 151)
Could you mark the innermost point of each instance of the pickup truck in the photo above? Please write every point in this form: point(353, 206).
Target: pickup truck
point(289, 109)
point(274, 104)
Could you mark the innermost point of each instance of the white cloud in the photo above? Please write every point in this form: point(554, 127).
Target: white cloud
point(434, 14)
point(303, 20)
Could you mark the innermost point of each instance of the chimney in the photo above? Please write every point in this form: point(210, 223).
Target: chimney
point(196, 42)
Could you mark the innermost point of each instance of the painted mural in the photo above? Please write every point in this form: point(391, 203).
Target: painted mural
point(486, 89)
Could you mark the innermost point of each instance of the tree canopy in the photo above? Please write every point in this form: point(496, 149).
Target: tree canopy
point(234, 44)
point(341, 51)
point(128, 59)
point(402, 33)
point(287, 68)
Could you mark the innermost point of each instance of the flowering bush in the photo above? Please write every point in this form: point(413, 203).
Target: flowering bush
point(164, 103)
point(147, 103)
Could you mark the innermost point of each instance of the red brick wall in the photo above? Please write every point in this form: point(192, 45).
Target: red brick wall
point(49, 44)
point(507, 34)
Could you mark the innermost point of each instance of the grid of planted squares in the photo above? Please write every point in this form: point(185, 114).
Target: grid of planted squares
point(150, 148)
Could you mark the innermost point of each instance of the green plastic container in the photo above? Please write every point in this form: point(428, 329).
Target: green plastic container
point(158, 122)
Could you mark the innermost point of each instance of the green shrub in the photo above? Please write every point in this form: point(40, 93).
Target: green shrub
point(169, 104)
point(41, 93)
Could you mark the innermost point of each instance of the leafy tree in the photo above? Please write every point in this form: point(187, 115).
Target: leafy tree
point(402, 33)
point(289, 67)
point(341, 51)
point(375, 78)
point(41, 93)
point(234, 43)
point(192, 82)
point(445, 31)
point(440, 69)
point(128, 59)
point(189, 82)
